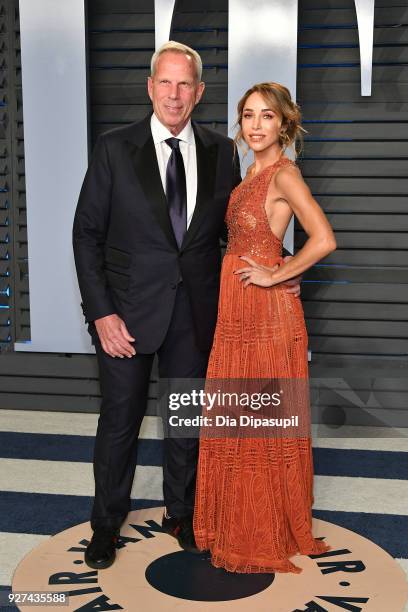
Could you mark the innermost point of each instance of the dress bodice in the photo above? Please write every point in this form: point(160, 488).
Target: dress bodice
point(248, 226)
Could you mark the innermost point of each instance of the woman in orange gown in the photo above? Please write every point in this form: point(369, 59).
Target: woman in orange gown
point(254, 495)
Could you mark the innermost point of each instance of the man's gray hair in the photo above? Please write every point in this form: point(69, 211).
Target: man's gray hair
point(177, 47)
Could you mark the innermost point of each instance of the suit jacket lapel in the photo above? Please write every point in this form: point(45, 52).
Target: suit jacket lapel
point(206, 166)
point(144, 160)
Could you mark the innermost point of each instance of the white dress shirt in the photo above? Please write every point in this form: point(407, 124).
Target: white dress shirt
point(188, 151)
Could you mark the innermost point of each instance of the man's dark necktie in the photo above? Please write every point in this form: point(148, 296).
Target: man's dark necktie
point(176, 190)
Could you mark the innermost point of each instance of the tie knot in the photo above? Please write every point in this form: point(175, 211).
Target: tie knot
point(173, 143)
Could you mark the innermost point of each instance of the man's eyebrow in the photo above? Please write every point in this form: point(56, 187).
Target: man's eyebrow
point(166, 78)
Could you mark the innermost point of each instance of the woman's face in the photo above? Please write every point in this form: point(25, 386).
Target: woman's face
point(260, 123)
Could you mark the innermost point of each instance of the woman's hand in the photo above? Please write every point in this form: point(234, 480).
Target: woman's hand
point(256, 274)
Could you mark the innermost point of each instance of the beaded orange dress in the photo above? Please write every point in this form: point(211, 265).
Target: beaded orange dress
point(254, 495)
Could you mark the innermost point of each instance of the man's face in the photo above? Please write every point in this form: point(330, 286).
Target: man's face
point(174, 90)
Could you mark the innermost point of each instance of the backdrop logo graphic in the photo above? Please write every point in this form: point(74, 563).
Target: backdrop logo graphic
point(164, 11)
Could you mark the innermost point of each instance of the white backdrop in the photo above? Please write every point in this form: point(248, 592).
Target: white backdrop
point(56, 156)
point(262, 46)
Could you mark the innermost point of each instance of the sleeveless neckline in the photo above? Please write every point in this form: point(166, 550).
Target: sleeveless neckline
point(246, 180)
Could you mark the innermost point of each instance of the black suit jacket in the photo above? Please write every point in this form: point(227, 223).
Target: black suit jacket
point(126, 255)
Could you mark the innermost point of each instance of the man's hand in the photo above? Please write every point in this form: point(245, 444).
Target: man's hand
point(292, 285)
point(114, 336)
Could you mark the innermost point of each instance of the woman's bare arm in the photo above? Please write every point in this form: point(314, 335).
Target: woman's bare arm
point(321, 241)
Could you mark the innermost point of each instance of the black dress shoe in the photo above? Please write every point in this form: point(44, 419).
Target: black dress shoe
point(101, 550)
point(182, 530)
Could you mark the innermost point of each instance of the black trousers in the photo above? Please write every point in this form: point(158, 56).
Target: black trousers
point(124, 386)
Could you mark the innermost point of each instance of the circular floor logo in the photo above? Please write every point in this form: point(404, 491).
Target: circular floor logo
point(151, 573)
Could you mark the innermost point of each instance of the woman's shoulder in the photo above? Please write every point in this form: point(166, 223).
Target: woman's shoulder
point(287, 173)
point(286, 162)
point(288, 167)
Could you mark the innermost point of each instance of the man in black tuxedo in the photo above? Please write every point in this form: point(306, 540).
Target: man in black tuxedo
point(146, 242)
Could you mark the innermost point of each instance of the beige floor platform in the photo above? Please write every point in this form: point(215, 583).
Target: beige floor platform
point(152, 574)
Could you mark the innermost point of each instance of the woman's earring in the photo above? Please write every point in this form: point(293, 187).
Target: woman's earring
point(284, 136)
point(284, 139)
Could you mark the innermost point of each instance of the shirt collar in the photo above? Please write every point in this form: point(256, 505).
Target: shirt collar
point(161, 133)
